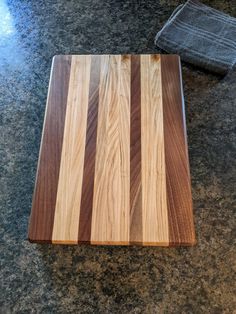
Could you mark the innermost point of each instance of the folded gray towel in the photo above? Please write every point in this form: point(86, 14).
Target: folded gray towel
point(200, 35)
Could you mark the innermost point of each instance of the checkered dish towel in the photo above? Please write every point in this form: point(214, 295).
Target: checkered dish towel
point(200, 35)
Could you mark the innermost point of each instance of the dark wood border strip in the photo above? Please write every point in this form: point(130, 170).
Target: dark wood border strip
point(136, 236)
point(86, 206)
point(45, 193)
point(179, 198)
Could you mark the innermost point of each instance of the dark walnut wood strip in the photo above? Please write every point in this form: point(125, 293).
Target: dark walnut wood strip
point(179, 198)
point(45, 193)
point(135, 154)
point(90, 153)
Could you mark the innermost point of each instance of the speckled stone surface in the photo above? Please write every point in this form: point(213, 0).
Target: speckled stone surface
point(63, 279)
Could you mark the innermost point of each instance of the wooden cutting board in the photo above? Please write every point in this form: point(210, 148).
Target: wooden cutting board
point(113, 165)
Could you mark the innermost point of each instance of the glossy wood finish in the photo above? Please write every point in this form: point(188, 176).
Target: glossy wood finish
point(136, 225)
point(110, 217)
point(45, 192)
point(117, 171)
point(178, 183)
point(154, 202)
point(86, 207)
point(67, 212)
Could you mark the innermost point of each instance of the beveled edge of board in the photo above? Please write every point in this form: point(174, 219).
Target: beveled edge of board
point(30, 237)
point(32, 220)
point(117, 54)
point(193, 240)
point(118, 244)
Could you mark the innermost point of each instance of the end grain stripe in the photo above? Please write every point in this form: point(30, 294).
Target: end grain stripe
point(135, 154)
point(86, 206)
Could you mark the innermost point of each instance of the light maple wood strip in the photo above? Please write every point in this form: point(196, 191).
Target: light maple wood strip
point(154, 202)
point(110, 217)
point(124, 146)
point(66, 221)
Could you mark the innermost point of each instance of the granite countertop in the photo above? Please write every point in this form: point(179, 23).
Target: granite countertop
point(84, 279)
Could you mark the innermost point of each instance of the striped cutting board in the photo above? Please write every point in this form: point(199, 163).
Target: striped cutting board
point(113, 165)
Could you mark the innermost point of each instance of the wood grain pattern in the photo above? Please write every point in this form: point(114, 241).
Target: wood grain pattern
point(180, 216)
point(154, 203)
point(45, 192)
point(113, 166)
point(86, 207)
point(66, 220)
point(111, 182)
point(136, 227)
